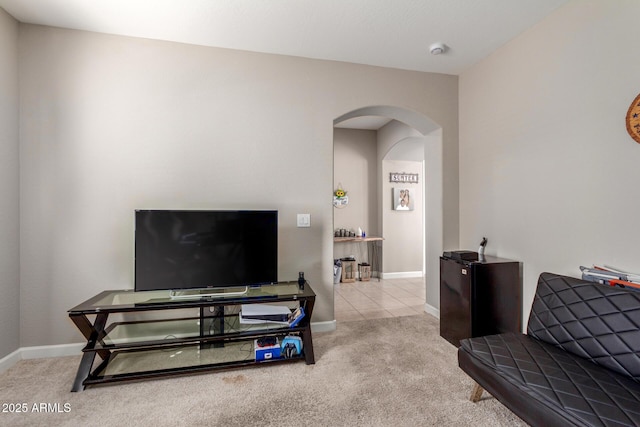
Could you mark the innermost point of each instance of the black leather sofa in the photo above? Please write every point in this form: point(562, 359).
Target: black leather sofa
point(579, 363)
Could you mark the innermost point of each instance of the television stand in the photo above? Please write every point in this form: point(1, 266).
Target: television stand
point(155, 336)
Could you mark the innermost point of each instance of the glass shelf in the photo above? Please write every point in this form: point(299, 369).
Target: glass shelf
point(129, 300)
point(137, 363)
point(177, 357)
point(170, 331)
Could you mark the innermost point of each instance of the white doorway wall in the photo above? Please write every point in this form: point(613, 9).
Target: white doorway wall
point(403, 230)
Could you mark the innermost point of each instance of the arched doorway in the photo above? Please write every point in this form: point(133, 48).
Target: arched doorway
point(431, 135)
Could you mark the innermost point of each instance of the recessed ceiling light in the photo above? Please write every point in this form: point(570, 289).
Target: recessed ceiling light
point(437, 48)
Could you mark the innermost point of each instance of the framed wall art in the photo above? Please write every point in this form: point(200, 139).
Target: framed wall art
point(403, 199)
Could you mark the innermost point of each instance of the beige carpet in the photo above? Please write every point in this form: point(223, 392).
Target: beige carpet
point(391, 372)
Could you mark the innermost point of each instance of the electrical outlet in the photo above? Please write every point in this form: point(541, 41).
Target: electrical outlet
point(304, 220)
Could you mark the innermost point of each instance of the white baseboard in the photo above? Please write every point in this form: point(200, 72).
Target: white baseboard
point(428, 308)
point(10, 359)
point(40, 352)
point(59, 350)
point(329, 326)
point(402, 275)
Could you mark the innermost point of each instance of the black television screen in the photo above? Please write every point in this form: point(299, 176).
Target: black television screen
point(205, 249)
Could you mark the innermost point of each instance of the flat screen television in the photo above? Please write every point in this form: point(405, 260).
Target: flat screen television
point(180, 249)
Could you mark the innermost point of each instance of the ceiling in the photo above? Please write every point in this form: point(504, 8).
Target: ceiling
point(364, 122)
point(386, 33)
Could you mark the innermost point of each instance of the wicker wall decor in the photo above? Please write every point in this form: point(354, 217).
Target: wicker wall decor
point(633, 119)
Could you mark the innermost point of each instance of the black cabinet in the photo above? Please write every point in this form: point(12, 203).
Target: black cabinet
point(479, 298)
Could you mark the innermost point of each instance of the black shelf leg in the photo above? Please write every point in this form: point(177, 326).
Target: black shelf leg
point(83, 370)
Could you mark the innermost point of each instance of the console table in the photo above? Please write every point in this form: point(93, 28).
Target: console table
point(152, 335)
point(374, 245)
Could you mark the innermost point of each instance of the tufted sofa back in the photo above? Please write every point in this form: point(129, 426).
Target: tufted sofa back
point(597, 322)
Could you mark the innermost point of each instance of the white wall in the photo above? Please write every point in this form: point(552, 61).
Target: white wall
point(434, 201)
point(547, 170)
point(403, 247)
point(9, 188)
point(110, 124)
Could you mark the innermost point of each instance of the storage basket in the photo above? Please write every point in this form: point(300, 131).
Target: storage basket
point(348, 270)
point(364, 271)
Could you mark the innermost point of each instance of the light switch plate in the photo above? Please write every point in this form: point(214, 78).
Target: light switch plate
point(304, 220)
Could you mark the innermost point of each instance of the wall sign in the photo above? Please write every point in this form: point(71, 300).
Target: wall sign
point(405, 178)
point(633, 119)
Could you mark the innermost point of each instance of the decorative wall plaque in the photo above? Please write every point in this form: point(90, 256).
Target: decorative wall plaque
point(340, 198)
point(405, 178)
point(633, 119)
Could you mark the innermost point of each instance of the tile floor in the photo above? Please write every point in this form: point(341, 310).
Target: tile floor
point(373, 299)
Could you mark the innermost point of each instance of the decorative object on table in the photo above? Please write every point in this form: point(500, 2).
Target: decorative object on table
point(402, 199)
point(483, 244)
point(342, 232)
point(340, 198)
point(633, 119)
point(405, 178)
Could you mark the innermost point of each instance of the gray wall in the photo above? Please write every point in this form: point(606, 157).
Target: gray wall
point(9, 188)
point(401, 149)
point(111, 124)
point(547, 170)
point(403, 248)
point(355, 169)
